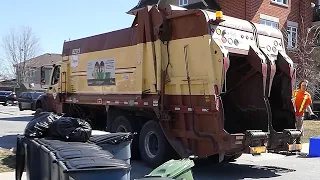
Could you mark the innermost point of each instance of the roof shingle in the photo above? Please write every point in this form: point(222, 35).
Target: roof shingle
point(45, 59)
point(143, 3)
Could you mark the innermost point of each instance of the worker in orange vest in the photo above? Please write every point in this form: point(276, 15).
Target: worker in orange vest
point(302, 101)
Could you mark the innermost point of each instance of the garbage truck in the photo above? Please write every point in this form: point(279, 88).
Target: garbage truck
point(187, 82)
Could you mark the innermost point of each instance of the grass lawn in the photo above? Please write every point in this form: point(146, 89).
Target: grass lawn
point(7, 160)
point(311, 128)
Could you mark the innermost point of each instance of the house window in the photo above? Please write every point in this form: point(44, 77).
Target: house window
point(292, 36)
point(269, 23)
point(280, 1)
point(183, 2)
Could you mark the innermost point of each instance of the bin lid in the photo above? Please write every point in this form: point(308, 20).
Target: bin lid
point(112, 138)
point(83, 152)
point(172, 168)
point(95, 163)
point(68, 146)
point(57, 144)
point(54, 141)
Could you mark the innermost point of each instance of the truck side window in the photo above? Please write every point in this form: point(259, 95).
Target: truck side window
point(56, 75)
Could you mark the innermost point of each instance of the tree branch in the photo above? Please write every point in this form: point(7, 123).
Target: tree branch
point(19, 46)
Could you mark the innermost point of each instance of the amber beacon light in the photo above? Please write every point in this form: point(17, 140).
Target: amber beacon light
point(219, 15)
point(219, 18)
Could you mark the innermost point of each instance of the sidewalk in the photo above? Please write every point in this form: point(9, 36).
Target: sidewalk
point(305, 148)
point(11, 175)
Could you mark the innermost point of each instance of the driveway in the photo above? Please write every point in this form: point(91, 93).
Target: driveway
point(266, 166)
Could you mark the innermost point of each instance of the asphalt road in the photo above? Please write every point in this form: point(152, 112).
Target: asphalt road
point(267, 166)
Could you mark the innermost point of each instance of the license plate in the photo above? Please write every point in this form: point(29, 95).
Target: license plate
point(294, 147)
point(258, 150)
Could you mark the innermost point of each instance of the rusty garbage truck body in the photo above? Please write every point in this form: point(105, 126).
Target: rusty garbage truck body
point(192, 82)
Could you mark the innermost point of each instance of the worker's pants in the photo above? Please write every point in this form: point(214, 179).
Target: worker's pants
point(299, 123)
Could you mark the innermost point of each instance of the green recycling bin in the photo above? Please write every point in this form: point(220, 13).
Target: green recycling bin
point(175, 169)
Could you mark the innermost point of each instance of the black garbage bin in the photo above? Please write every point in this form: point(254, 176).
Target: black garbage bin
point(90, 168)
point(47, 146)
point(67, 154)
point(32, 151)
point(119, 144)
point(20, 157)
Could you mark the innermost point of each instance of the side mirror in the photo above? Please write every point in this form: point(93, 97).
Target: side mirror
point(43, 82)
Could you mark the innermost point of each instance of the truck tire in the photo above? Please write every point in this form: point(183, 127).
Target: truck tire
point(122, 124)
point(154, 147)
point(20, 107)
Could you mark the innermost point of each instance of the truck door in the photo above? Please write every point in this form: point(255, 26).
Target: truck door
point(55, 89)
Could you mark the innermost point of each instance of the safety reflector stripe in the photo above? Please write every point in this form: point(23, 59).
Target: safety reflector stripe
point(189, 109)
point(137, 103)
point(154, 103)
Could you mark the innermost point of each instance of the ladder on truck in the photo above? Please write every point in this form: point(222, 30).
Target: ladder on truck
point(63, 82)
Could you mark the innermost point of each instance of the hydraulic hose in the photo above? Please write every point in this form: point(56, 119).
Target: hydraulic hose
point(193, 113)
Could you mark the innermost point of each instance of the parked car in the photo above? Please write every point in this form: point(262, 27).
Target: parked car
point(27, 100)
point(8, 98)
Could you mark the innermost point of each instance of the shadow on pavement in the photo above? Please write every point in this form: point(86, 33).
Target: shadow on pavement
point(239, 171)
point(228, 171)
point(21, 118)
point(8, 141)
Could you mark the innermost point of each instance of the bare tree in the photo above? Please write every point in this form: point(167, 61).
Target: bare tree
point(306, 55)
point(19, 46)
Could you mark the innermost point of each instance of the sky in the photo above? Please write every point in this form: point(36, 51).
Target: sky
point(58, 20)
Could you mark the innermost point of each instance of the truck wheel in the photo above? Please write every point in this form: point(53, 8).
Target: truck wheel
point(154, 147)
point(9, 103)
point(20, 108)
point(122, 124)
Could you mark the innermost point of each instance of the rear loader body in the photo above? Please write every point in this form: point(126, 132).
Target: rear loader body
point(187, 80)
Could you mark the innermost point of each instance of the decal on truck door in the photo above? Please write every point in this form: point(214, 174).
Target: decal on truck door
point(101, 72)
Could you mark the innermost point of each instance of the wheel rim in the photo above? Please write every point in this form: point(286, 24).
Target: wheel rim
point(151, 144)
point(122, 128)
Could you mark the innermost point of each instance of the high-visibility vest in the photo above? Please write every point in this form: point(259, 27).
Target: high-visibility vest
point(303, 101)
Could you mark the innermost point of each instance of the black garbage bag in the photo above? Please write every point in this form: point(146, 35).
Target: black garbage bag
point(71, 129)
point(38, 127)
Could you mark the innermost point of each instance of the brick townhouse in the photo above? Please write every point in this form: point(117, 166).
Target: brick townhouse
point(286, 15)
